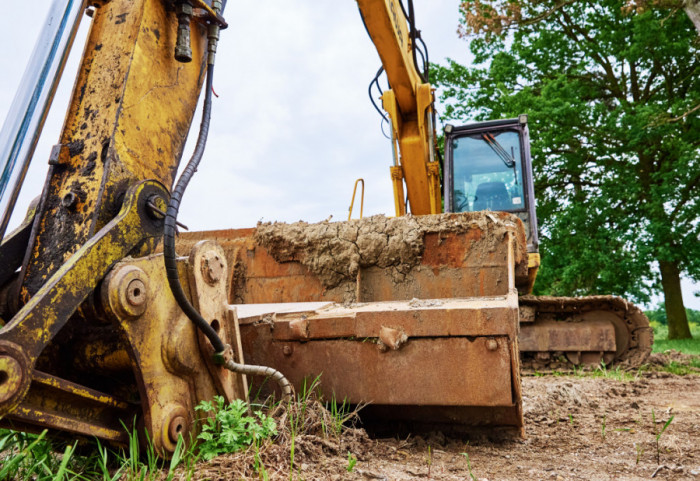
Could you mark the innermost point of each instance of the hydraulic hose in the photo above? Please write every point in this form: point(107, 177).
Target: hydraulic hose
point(170, 256)
point(262, 371)
point(375, 81)
point(413, 35)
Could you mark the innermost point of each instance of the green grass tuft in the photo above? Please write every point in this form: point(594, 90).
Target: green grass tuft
point(686, 346)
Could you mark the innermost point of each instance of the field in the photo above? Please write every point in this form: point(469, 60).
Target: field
point(587, 425)
point(687, 346)
point(595, 424)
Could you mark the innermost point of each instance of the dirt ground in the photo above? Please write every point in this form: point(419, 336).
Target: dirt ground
point(577, 427)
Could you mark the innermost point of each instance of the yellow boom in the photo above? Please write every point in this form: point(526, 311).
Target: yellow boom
point(409, 104)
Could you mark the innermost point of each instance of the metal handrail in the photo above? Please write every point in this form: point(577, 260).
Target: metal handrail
point(362, 201)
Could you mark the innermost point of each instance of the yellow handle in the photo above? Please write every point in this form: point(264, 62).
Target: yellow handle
point(362, 201)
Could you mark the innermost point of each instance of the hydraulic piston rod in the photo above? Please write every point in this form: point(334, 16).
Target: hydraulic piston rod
point(25, 119)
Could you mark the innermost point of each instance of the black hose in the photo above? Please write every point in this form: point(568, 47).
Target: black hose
point(403, 8)
point(375, 81)
point(414, 35)
point(426, 64)
point(422, 57)
point(169, 254)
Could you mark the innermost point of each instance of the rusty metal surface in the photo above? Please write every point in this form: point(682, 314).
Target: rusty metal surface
point(451, 360)
point(450, 371)
point(437, 332)
point(447, 355)
point(207, 272)
point(162, 344)
point(152, 353)
point(633, 335)
point(39, 321)
point(62, 405)
point(551, 335)
point(417, 318)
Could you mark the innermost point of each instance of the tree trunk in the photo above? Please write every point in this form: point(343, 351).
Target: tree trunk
point(692, 8)
point(675, 311)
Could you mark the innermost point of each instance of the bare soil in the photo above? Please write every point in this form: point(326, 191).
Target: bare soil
point(577, 427)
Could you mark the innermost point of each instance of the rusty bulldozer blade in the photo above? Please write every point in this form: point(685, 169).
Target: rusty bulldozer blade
point(416, 316)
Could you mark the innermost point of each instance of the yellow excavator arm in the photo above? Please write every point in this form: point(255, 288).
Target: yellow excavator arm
point(409, 104)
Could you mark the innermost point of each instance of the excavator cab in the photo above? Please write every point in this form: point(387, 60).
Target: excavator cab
point(488, 167)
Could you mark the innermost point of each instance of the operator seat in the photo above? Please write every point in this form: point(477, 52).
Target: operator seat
point(492, 196)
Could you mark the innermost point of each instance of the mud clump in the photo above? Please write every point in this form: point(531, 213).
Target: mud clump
point(335, 251)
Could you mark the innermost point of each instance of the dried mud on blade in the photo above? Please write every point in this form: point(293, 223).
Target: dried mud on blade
point(417, 316)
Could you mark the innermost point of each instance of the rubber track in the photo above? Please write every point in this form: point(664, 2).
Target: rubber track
point(641, 336)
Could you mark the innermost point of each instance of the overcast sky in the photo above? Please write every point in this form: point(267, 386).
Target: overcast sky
point(293, 126)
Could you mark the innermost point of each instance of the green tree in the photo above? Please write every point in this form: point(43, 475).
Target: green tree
point(613, 96)
point(495, 16)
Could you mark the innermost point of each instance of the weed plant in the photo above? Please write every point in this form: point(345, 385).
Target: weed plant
point(469, 466)
point(352, 461)
point(657, 435)
point(603, 425)
point(228, 428)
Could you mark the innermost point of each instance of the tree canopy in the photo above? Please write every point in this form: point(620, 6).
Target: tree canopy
point(613, 97)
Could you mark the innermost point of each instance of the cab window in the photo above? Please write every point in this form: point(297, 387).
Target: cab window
point(488, 173)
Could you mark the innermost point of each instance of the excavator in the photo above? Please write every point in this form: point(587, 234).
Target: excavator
point(111, 317)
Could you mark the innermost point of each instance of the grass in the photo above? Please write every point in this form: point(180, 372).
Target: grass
point(661, 344)
point(657, 435)
point(469, 465)
point(34, 457)
point(352, 461)
point(686, 346)
point(600, 371)
point(674, 367)
point(40, 458)
point(603, 426)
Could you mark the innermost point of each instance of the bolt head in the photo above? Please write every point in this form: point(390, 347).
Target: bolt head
point(176, 422)
point(184, 8)
point(136, 293)
point(177, 428)
point(491, 344)
point(160, 203)
point(14, 376)
point(69, 200)
point(125, 292)
point(212, 267)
